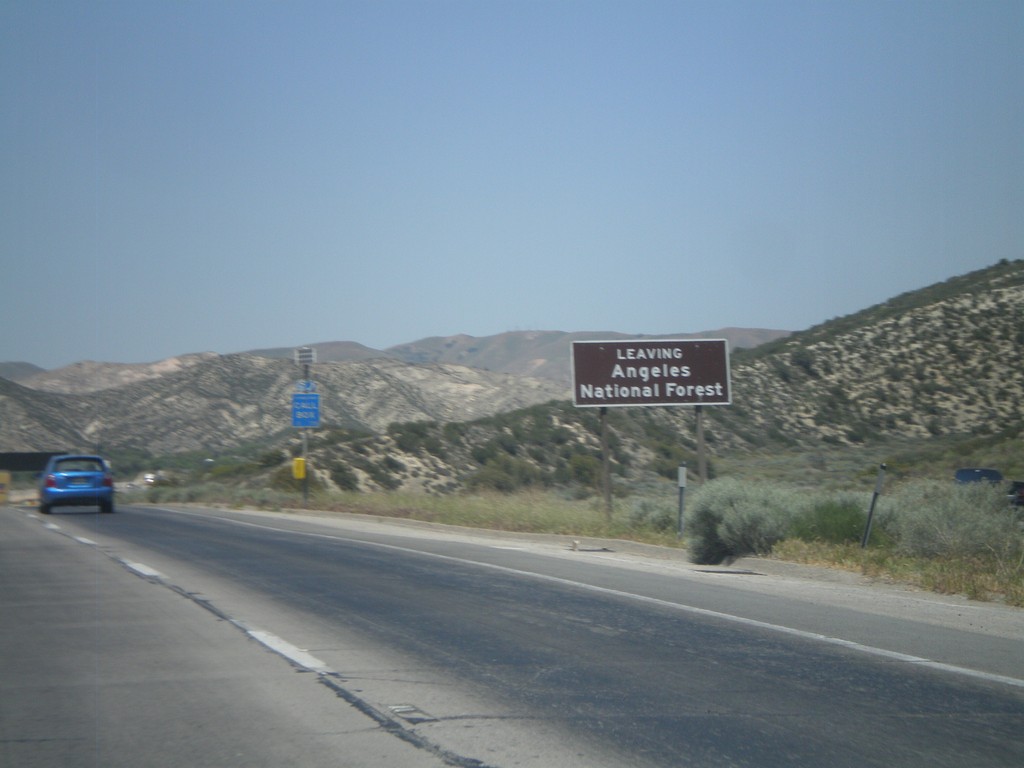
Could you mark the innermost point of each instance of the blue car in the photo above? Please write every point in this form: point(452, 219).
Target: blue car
point(978, 475)
point(76, 480)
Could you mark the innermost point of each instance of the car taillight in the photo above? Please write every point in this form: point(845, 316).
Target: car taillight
point(51, 481)
point(108, 481)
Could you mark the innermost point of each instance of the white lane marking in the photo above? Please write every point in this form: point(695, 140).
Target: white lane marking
point(741, 620)
point(52, 526)
point(277, 644)
point(292, 653)
point(142, 569)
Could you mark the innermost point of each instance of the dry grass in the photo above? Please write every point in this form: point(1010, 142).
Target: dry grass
point(978, 577)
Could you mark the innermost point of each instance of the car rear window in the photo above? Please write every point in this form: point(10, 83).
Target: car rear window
point(79, 465)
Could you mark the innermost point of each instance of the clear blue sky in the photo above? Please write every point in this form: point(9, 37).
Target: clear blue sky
point(188, 176)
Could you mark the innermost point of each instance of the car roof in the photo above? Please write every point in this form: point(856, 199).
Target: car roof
point(967, 474)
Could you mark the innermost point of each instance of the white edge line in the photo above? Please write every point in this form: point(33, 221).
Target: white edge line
point(280, 646)
point(284, 648)
point(778, 628)
point(142, 569)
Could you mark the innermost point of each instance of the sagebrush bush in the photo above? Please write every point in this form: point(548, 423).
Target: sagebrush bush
point(729, 518)
point(837, 519)
point(705, 543)
point(654, 515)
point(933, 519)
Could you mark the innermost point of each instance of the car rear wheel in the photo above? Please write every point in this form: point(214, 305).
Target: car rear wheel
point(44, 509)
point(107, 507)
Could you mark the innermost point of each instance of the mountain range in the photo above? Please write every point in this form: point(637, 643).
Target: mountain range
point(941, 361)
point(206, 401)
point(541, 354)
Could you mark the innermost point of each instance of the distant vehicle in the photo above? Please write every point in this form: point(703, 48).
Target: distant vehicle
point(156, 478)
point(74, 480)
point(1014, 489)
point(1016, 493)
point(979, 475)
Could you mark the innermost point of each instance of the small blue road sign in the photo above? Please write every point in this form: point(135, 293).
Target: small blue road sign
point(306, 410)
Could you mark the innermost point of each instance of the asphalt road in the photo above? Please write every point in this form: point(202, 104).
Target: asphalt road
point(260, 638)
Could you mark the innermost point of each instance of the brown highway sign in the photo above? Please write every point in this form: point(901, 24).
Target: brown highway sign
point(650, 372)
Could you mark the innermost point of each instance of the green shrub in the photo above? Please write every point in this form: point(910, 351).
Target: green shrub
point(705, 543)
point(381, 473)
point(269, 459)
point(492, 478)
point(507, 443)
point(585, 470)
point(729, 518)
point(483, 453)
point(410, 436)
point(344, 477)
point(833, 520)
point(506, 475)
point(454, 431)
point(653, 515)
point(393, 465)
point(940, 519)
point(667, 458)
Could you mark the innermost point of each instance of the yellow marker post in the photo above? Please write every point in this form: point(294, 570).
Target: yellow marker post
point(299, 469)
point(5, 486)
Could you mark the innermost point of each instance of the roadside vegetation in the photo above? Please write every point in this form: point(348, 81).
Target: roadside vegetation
point(932, 534)
point(644, 520)
point(538, 470)
point(942, 537)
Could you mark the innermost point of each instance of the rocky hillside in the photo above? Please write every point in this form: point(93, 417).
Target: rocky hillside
point(944, 362)
point(941, 361)
point(37, 421)
point(89, 376)
point(219, 402)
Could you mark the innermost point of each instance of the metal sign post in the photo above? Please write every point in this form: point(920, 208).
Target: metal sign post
point(606, 466)
point(305, 474)
point(702, 453)
point(305, 411)
point(871, 509)
point(682, 496)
